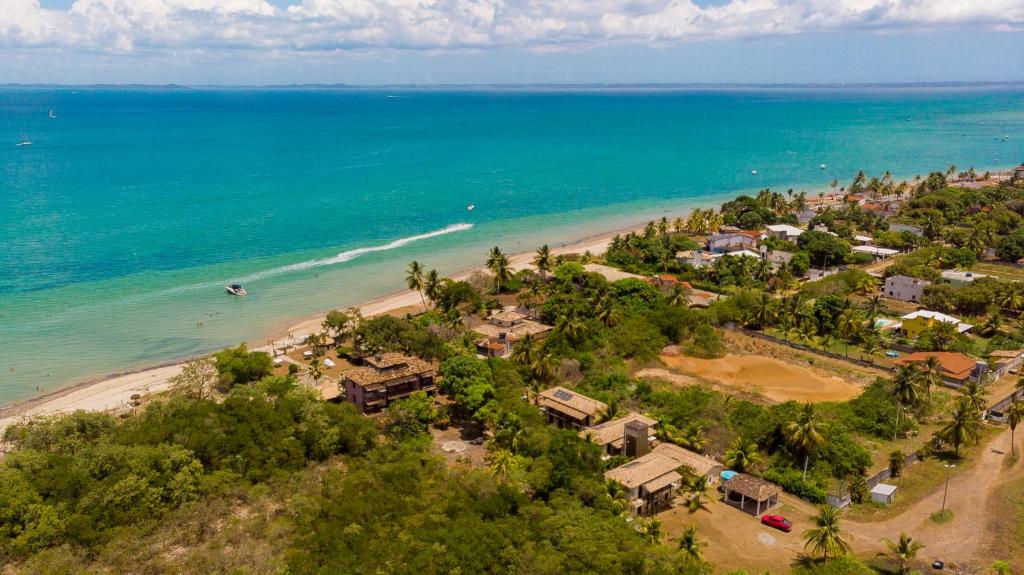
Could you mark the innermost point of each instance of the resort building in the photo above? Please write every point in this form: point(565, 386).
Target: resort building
point(751, 494)
point(904, 288)
point(613, 435)
point(959, 279)
point(385, 378)
point(875, 251)
point(503, 329)
point(652, 479)
point(732, 241)
point(784, 232)
point(916, 323)
point(569, 409)
point(956, 368)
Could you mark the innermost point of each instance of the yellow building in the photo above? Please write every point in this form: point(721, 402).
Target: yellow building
point(919, 322)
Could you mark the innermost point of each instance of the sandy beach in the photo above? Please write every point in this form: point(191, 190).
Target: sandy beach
point(114, 392)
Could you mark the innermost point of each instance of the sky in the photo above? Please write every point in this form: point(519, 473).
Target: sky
point(260, 42)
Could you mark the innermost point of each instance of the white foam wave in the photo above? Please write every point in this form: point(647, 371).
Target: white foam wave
point(353, 254)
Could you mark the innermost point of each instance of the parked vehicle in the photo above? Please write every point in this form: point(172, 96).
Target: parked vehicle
point(778, 522)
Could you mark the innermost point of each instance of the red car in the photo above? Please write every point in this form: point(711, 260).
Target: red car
point(778, 522)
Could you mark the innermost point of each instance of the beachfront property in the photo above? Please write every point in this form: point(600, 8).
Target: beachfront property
point(916, 323)
point(916, 230)
point(904, 288)
point(959, 279)
point(503, 329)
point(634, 431)
point(386, 378)
point(955, 367)
point(733, 241)
point(697, 258)
point(751, 494)
point(568, 409)
point(652, 480)
point(784, 232)
point(875, 251)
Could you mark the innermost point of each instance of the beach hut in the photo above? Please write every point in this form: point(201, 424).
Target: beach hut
point(883, 493)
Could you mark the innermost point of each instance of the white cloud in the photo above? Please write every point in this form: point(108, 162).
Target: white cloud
point(325, 25)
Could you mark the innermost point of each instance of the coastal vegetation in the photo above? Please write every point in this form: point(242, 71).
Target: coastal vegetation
point(243, 468)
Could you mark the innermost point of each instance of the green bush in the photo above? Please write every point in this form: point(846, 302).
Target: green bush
point(790, 480)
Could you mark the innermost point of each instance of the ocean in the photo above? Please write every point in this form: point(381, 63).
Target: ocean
point(132, 208)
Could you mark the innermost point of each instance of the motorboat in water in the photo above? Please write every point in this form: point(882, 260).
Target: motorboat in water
point(235, 289)
point(24, 143)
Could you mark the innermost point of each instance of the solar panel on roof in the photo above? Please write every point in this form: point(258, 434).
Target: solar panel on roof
point(563, 395)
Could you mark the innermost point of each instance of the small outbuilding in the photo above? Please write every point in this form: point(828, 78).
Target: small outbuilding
point(751, 494)
point(883, 493)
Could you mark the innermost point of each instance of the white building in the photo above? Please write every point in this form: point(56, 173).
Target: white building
point(904, 288)
point(877, 252)
point(960, 279)
point(784, 232)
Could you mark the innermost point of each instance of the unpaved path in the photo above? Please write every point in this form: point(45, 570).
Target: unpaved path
point(965, 538)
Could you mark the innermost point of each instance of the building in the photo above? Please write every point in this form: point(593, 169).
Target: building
point(863, 240)
point(732, 241)
point(904, 288)
point(779, 258)
point(385, 378)
point(1002, 361)
point(667, 282)
point(956, 368)
point(652, 479)
point(504, 328)
point(875, 251)
point(566, 408)
point(751, 494)
point(883, 494)
point(697, 258)
point(916, 230)
point(612, 435)
point(784, 232)
point(804, 217)
point(916, 323)
point(959, 279)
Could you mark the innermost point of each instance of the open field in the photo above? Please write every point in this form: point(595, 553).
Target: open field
point(772, 378)
point(1004, 272)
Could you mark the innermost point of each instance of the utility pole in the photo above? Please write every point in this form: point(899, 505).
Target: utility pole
point(948, 466)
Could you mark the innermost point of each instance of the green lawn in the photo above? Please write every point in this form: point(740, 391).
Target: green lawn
point(1004, 272)
point(1008, 521)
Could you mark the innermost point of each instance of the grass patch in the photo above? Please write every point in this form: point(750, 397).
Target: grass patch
point(1006, 523)
point(942, 517)
point(921, 479)
point(1002, 272)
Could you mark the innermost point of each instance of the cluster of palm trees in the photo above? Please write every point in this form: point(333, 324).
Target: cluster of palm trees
point(426, 283)
point(794, 316)
point(500, 267)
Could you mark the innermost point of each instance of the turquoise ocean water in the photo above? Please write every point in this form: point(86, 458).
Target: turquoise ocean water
point(122, 222)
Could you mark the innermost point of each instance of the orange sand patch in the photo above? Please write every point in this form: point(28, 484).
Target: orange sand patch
point(774, 379)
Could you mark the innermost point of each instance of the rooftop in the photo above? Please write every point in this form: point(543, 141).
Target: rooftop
point(700, 464)
point(938, 316)
point(786, 228)
point(954, 365)
point(875, 250)
point(388, 367)
point(962, 275)
point(507, 315)
point(653, 469)
point(611, 432)
point(571, 403)
point(752, 487)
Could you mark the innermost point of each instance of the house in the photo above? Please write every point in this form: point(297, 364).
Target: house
point(784, 232)
point(959, 279)
point(916, 323)
point(778, 257)
point(504, 328)
point(1002, 361)
point(744, 254)
point(566, 408)
point(667, 282)
point(652, 479)
point(916, 230)
point(750, 493)
point(731, 241)
point(385, 378)
point(875, 251)
point(697, 258)
point(883, 493)
point(863, 240)
point(904, 288)
point(612, 435)
point(956, 368)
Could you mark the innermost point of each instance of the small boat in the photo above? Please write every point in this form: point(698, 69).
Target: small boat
point(753, 172)
point(24, 143)
point(822, 166)
point(470, 207)
point(235, 289)
point(53, 115)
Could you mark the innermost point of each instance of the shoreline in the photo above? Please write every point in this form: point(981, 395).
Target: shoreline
point(112, 391)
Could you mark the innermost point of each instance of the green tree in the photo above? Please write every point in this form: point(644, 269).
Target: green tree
point(411, 416)
point(414, 279)
point(196, 380)
point(1014, 415)
point(963, 427)
point(904, 550)
point(543, 260)
point(826, 538)
point(742, 455)
point(805, 433)
point(690, 545)
point(238, 365)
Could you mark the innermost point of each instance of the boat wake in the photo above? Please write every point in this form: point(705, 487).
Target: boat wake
point(353, 254)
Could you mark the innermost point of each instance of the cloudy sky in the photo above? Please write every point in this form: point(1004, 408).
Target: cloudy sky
point(509, 41)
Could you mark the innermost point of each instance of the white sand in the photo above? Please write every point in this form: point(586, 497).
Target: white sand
point(115, 392)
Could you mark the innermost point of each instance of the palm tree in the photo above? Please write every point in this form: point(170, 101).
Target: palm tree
point(314, 370)
point(698, 489)
point(906, 385)
point(904, 550)
point(805, 433)
point(826, 538)
point(871, 347)
point(680, 296)
point(973, 393)
point(611, 411)
point(1014, 415)
point(572, 325)
point(502, 463)
point(652, 531)
point(692, 437)
point(690, 545)
point(742, 455)
point(414, 279)
point(764, 313)
point(432, 286)
point(931, 375)
point(543, 260)
point(498, 265)
point(964, 426)
point(874, 305)
point(541, 371)
point(523, 352)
